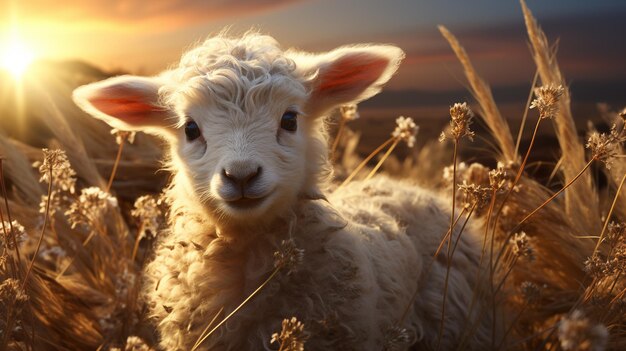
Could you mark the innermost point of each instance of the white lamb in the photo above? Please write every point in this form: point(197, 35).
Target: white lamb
point(244, 121)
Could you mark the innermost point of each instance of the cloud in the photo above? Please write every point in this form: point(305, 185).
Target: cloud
point(137, 13)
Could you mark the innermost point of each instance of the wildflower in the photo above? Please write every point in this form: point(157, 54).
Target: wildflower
point(288, 256)
point(63, 176)
point(605, 147)
point(546, 100)
point(149, 213)
point(405, 130)
point(349, 112)
point(18, 232)
point(576, 332)
point(90, 206)
point(292, 336)
point(460, 123)
point(530, 292)
point(497, 177)
point(473, 194)
point(121, 135)
point(521, 245)
point(396, 338)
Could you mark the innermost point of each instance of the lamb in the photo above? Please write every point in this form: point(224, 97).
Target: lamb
point(244, 121)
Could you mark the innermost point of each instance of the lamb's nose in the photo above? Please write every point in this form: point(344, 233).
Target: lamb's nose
point(241, 177)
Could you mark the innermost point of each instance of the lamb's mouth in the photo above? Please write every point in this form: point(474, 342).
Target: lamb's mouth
point(245, 203)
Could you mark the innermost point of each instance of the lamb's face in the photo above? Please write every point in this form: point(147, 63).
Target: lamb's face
point(243, 118)
point(243, 145)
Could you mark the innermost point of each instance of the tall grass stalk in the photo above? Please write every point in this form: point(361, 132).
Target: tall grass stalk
point(333, 149)
point(608, 216)
point(43, 228)
point(526, 110)
point(382, 159)
point(254, 293)
point(118, 157)
point(9, 217)
point(445, 286)
point(365, 161)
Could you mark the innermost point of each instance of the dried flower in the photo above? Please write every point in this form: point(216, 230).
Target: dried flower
point(349, 112)
point(473, 194)
point(546, 100)
point(63, 176)
point(605, 147)
point(530, 292)
point(576, 332)
point(149, 213)
point(90, 206)
point(288, 256)
point(18, 231)
point(461, 119)
point(405, 130)
point(497, 177)
point(122, 135)
point(396, 339)
point(521, 245)
point(292, 336)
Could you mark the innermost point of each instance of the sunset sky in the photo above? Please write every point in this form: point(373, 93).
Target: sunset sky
point(146, 36)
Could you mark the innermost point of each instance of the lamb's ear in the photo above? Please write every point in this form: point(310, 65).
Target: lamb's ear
point(125, 102)
point(348, 74)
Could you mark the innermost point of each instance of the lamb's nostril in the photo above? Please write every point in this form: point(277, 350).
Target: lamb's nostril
point(240, 177)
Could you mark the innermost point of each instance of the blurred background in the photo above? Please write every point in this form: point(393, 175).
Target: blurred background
point(47, 49)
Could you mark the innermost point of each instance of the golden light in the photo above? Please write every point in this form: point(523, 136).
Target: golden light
point(15, 57)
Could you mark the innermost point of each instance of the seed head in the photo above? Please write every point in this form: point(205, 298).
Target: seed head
point(349, 112)
point(11, 292)
point(18, 231)
point(292, 336)
point(474, 194)
point(63, 176)
point(288, 256)
point(461, 119)
point(497, 177)
point(522, 246)
point(546, 100)
point(134, 343)
point(90, 206)
point(530, 292)
point(396, 339)
point(605, 147)
point(405, 130)
point(122, 135)
point(576, 332)
point(148, 211)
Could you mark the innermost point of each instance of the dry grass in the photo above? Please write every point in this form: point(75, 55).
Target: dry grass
point(559, 285)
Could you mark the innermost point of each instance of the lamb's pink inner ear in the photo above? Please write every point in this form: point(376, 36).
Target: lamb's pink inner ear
point(126, 102)
point(350, 76)
point(130, 107)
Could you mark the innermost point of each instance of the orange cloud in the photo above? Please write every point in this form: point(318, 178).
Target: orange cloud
point(162, 13)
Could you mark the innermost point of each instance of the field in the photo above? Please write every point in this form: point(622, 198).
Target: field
point(79, 218)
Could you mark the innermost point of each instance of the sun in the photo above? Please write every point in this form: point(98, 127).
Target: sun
point(15, 57)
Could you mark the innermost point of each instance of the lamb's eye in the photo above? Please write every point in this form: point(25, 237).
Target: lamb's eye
point(289, 121)
point(192, 130)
